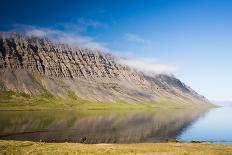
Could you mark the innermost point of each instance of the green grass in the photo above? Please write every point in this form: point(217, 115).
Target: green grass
point(10, 100)
point(26, 148)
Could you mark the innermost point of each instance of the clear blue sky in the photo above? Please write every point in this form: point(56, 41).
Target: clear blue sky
point(194, 35)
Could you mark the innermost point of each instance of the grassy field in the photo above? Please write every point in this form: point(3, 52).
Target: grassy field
point(18, 101)
point(26, 147)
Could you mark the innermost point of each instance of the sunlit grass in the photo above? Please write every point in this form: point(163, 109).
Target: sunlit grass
point(26, 147)
point(19, 101)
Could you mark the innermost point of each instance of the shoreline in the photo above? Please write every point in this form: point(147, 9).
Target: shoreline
point(165, 141)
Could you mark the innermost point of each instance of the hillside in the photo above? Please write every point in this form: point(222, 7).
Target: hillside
point(36, 66)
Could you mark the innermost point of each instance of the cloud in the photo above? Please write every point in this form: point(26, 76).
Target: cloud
point(91, 23)
point(82, 25)
point(145, 65)
point(135, 38)
point(148, 66)
point(71, 38)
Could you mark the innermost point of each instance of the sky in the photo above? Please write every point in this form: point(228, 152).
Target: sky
point(191, 38)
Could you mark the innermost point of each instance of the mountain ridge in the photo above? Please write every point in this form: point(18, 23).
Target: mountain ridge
point(32, 65)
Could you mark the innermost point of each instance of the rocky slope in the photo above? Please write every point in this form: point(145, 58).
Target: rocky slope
point(36, 65)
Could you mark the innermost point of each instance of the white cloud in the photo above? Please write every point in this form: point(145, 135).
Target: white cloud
point(82, 25)
point(148, 66)
point(144, 65)
point(91, 22)
point(135, 38)
point(75, 39)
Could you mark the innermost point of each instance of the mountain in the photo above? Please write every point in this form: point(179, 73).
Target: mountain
point(222, 103)
point(34, 66)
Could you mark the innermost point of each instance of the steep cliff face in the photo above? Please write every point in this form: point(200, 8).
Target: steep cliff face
point(33, 65)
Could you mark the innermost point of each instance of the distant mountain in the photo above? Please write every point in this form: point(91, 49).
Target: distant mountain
point(36, 65)
point(222, 103)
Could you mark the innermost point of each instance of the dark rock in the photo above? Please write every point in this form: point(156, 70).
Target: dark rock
point(83, 139)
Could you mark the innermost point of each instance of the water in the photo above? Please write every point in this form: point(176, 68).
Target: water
point(214, 127)
point(102, 126)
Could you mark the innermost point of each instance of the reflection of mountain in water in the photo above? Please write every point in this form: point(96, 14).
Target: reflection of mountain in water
point(98, 128)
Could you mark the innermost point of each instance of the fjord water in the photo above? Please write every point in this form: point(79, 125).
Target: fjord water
point(214, 127)
point(129, 126)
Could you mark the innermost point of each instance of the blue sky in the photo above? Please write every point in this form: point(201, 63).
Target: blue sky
point(195, 36)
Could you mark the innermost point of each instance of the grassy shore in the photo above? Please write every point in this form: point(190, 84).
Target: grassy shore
point(18, 101)
point(26, 147)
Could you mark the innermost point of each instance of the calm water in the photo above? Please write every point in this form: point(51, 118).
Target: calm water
point(96, 126)
point(215, 127)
